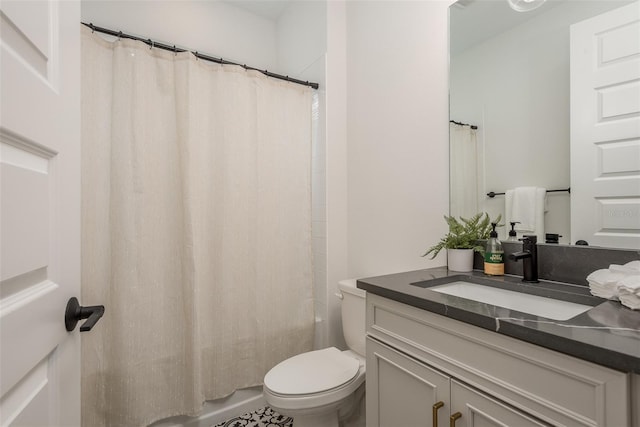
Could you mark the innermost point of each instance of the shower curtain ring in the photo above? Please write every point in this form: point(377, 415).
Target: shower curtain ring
point(93, 30)
point(151, 44)
point(175, 51)
point(119, 35)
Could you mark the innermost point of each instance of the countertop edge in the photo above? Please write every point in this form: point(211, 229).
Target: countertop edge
point(384, 287)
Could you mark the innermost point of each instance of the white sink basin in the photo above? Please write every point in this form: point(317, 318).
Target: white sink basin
point(524, 303)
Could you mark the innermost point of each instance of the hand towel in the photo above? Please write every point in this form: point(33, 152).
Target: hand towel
point(621, 282)
point(604, 283)
point(630, 285)
point(629, 290)
point(527, 206)
point(632, 267)
point(631, 301)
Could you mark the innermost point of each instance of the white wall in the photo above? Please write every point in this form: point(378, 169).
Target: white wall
point(397, 114)
point(387, 139)
point(210, 27)
point(336, 131)
point(301, 40)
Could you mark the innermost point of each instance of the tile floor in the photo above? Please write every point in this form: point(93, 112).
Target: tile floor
point(264, 417)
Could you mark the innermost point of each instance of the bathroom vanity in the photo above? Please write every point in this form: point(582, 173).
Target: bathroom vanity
point(438, 359)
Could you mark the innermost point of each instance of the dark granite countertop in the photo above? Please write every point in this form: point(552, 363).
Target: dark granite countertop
point(607, 334)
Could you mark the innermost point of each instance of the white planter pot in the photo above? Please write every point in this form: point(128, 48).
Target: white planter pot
point(460, 260)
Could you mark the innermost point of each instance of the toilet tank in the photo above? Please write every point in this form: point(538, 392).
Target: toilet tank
point(353, 315)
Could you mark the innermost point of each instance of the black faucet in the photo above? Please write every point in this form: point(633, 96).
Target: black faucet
point(529, 257)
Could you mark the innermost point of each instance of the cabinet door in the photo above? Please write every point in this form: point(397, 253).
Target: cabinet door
point(479, 410)
point(402, 391)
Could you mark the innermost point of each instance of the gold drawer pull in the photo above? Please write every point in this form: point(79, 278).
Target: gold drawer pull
point(436, 406)
point(453, 418)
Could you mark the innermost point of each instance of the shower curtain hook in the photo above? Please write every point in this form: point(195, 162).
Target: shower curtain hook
point(93, 30)
point(151, 44)
point(175, 51)
point(119, 35)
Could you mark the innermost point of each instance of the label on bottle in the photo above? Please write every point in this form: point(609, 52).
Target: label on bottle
point(494, 263)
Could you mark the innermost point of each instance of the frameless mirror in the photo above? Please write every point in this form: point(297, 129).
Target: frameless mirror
point(510, 77)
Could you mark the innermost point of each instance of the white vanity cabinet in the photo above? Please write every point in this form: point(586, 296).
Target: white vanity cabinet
point(404, 392)
point(416, 359)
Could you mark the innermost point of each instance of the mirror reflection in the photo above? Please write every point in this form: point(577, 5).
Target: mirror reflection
point(510, 78)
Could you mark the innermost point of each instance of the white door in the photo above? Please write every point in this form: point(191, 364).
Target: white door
point(605, 129)
point(39, 212)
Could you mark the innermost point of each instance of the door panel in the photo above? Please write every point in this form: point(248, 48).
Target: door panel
point(605, 129)
point(402, 391)
point(39, 211)
point(25, 208)
point(479, 410)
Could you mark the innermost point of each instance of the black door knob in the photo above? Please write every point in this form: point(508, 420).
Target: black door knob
point(76, 312)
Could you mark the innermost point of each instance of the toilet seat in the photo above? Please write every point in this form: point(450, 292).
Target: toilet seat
point(314, 379)
point(312, 372)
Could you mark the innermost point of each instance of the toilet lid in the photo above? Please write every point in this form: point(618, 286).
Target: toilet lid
point(312, 372)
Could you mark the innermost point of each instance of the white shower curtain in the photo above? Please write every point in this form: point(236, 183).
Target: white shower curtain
point(196, 229)
point(463, 161)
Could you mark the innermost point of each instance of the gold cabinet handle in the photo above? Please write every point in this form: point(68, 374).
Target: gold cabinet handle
point(453, 418)
point(435, 407)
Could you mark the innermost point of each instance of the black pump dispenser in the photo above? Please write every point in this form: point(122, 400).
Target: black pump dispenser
point(512, 233)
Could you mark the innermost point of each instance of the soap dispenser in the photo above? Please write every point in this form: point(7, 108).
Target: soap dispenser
point(494, 254)
point(512, 233)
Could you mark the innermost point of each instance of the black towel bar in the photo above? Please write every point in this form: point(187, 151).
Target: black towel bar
point(491, 194)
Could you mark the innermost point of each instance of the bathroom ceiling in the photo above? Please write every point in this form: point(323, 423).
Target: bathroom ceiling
point(270, 9)
point(478, 20)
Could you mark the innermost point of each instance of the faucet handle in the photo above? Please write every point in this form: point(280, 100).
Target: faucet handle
point(529, 238)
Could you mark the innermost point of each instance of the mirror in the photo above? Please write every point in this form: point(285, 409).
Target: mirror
point(509, 76)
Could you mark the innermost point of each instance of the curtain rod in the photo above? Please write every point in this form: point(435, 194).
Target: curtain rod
point(198, 55)
point(491, 194)
point(463, 124)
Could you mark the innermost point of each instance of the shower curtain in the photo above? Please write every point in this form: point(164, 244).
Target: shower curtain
point(463, 160)
point(196, 229)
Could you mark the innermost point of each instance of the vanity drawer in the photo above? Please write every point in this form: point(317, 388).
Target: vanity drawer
point(557, 388)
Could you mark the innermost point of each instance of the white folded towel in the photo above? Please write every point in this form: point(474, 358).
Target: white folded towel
point(630, 300)
point(630, 285)
point(632, 267)
point(604, 283)
point(618, 282)
point(527, 206)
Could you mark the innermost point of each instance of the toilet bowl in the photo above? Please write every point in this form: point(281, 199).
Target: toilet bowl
point(322, 387)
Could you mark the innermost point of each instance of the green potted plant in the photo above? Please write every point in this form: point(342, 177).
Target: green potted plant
point(462, 240)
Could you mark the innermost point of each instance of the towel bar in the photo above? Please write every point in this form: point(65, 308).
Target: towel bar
point(491, 194)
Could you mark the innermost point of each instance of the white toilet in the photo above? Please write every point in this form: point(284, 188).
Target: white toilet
point(323, 387)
